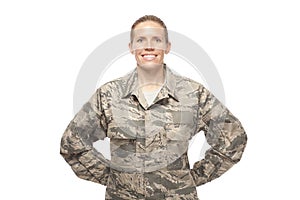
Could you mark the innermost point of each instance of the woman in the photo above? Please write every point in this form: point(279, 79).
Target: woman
point(149, 115)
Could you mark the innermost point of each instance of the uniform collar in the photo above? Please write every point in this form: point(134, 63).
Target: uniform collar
point(131, 84)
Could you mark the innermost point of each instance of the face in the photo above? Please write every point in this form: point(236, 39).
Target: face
point(149, 44)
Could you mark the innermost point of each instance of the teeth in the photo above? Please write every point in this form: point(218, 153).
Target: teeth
point(149, 56)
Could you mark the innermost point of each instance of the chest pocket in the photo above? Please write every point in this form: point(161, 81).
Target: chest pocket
point(178, 132)
point(122, 140)
point(122, 146)
point(181, 126)
point(121, 131)
point(179, 129)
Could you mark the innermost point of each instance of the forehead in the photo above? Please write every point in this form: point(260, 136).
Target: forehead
point(147, 32)
point(148, 28)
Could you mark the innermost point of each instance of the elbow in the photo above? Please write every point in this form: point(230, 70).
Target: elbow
point(239, 144)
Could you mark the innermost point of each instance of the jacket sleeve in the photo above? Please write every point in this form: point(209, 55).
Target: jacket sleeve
point(225, 135)
point(87, 126)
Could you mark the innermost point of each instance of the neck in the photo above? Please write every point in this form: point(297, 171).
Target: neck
point(150, 78)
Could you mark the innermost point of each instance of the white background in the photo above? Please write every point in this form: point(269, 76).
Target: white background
point(255, 46)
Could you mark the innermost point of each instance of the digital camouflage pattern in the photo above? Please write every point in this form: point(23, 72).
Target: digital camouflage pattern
point(149, 143)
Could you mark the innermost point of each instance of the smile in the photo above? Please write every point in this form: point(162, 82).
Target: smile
point(149, 57)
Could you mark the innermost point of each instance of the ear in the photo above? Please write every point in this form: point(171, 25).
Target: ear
point(168, 48)
point(130, 48)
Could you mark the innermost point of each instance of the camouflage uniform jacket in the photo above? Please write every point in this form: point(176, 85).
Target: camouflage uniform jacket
point(149, 143)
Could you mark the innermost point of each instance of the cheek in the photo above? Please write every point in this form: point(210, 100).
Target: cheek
point(137, 53)
point(138, 57)
point(161, 55)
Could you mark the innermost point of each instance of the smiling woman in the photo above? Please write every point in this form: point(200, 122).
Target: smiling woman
point(150, 115)
point(149, 44)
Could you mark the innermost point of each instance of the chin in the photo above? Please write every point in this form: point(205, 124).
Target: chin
point(150, 66)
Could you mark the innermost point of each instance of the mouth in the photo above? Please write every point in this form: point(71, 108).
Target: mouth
point(149, 57)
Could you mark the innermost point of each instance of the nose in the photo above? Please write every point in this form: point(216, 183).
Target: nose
point(149, 49)
point(149, 46)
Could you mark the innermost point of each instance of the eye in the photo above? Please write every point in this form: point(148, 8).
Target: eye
point(157, 40)
point(140, 40)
